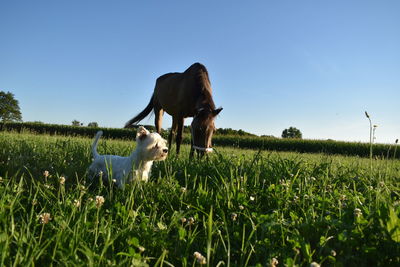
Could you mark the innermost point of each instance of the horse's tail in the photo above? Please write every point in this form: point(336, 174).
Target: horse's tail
point(94, 145)
point(141, 115)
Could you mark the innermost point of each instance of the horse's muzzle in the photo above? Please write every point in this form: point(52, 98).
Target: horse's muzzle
point(203, 149)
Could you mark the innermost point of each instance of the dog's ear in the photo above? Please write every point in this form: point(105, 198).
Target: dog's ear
point(142, 133)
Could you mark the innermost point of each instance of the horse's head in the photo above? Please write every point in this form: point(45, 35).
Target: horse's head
point(202, 128)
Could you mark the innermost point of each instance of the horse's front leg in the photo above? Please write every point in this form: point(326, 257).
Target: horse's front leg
point(172, 133)
point(179, 133)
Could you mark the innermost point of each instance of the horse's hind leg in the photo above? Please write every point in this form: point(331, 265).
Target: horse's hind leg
point(158, 112)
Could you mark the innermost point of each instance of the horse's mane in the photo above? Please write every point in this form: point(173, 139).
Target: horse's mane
point(202, 83)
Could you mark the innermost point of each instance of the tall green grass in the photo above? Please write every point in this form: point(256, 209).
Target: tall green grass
point(235, 208)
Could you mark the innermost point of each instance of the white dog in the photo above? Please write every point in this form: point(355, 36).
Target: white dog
point(150, 147)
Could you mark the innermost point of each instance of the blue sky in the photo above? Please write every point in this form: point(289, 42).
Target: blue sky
point(314, 65)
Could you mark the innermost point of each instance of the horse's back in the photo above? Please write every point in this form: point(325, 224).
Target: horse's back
point(177, 92)
point(169, 85)
point(173, 94)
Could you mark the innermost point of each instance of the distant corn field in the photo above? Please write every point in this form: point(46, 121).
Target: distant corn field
point(240, 140)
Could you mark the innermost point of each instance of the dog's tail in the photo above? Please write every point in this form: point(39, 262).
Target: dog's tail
point(141, 115)
point(94, 145)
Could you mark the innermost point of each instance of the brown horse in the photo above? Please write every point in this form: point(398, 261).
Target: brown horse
point(182, 95)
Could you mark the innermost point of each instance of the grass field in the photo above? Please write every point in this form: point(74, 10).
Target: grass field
point(236, 208)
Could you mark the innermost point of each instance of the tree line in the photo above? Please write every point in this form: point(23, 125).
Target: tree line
point(10, 112)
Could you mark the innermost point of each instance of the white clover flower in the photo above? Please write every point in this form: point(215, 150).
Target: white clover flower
point(44, 218)
point(62, 180)
point(183, 189)
point(183, 220)
point(202, 261)
point(77, 203)
point(141, 249)
point(241, 207)
point(333, 253)
point(274, 262)
point(46, 174)
point(234, 216)
point(191, 220)
point(114, 180)
point(314, 264)
point(357, 212)
point(252, 198)
point(99, 201)
point(200, 258)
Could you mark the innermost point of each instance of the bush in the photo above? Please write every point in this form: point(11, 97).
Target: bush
point(55, 129)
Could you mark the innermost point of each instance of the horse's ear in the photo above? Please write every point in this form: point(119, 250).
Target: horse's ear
point(141, 133)
point(215, 112)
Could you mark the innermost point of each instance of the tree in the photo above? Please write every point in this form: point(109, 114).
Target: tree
point(292, 132)
point(93, 124)
point(9, 107)
point(76, 123)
